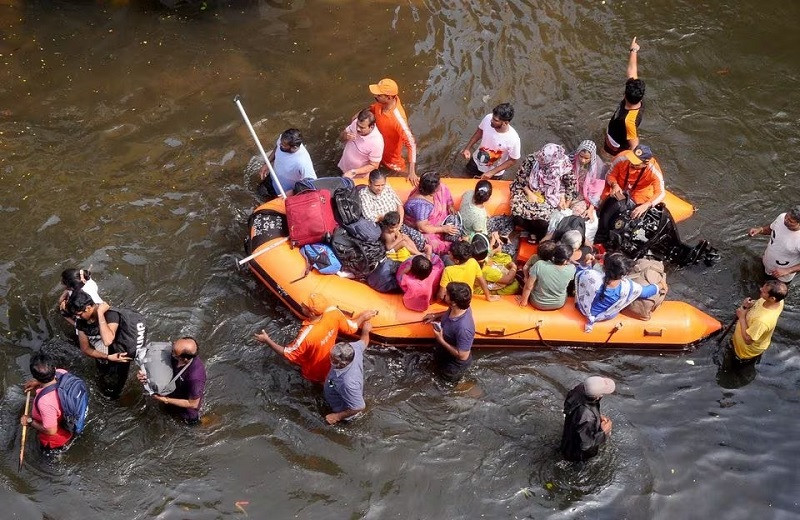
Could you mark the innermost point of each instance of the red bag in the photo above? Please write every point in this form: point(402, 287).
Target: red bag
point(309, 216)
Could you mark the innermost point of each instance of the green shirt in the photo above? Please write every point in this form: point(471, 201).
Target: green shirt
point(473, 218)
point(550, 290)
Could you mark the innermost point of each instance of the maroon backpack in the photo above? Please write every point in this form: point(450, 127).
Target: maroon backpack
point(309, 216)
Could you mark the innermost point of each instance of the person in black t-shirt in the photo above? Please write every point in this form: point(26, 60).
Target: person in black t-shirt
point(96, 326)
point(623, 128)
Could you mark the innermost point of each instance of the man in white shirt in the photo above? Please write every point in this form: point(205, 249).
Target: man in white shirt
point(291, 163)
point(500, 145)
point(782, 256)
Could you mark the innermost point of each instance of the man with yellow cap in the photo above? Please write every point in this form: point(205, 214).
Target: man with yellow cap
point(392, 122)
point(311, 349)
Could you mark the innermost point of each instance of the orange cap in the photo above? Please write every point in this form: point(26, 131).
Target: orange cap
point(385, 86)
point(317, 303)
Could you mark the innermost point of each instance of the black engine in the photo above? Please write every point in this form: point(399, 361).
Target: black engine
point(655, 235)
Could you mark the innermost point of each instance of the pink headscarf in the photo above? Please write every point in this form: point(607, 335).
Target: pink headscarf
point(591, 181)
point(551, 164)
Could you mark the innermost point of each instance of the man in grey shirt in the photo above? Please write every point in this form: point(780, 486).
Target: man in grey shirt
point(344, 387)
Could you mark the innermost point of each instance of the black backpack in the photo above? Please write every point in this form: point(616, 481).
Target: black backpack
point(131, 333)
point(358, 258)
point(364, 230)
point(346, 205)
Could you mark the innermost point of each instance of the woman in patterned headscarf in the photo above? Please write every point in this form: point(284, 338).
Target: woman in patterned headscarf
point(544, 183)
point(590, 172)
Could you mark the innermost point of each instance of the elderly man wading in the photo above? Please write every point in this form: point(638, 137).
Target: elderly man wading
point(585, 429)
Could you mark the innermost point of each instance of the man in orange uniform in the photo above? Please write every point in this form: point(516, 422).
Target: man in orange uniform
point(392, 122)
point(311, 349)
point(635, 179)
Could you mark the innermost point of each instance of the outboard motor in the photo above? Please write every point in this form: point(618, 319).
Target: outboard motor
point(655, 235)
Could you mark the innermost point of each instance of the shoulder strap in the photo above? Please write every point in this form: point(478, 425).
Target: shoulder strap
point(179, 374)
point(46, 390)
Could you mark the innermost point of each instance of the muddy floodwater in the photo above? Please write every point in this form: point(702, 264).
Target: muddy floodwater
point(121, 149)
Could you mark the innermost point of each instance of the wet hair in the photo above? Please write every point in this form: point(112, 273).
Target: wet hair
point(503, 112)
point(190, 355)
point(71, 278)
point(428, 183)
point(78, 301)
point(483, 191)
point(292, 137)
point(572, 238)
point(376, 175)
point(480, 247)
point(342, 354)
point(777, 289)
point(42, 367)
point(366, 115)
point(461, 251)
point(794, 213)
point(546, 250)
point(421, 267)
point(562, 254)
point(634, 90)
point(389, 220)
point(460, 294)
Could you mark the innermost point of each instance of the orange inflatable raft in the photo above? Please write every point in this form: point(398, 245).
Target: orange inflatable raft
point(673, 326)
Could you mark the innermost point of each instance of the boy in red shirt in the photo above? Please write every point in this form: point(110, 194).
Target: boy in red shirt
point(46, 412)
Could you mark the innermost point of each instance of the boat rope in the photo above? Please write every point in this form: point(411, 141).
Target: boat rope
point(616, 328)
point(398, 324)
point(503, 334)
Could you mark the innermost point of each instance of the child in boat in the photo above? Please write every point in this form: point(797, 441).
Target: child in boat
point(418, 278)
point(74, 280)
point(465, 269)
point(399, 246)
point(498, 268)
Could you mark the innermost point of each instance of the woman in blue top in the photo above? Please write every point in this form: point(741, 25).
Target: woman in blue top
point(601, 297)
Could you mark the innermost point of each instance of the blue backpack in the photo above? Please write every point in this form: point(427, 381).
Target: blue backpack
point(320, 257)
point(73, 396)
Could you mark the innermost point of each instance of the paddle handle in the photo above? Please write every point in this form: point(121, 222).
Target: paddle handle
point(727, 330)
point(24, 430)
point(262, 251)
point(238, 102)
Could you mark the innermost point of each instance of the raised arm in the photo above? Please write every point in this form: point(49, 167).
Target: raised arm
point(633, 53)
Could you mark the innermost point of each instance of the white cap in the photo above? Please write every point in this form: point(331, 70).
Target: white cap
point(597, 386)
